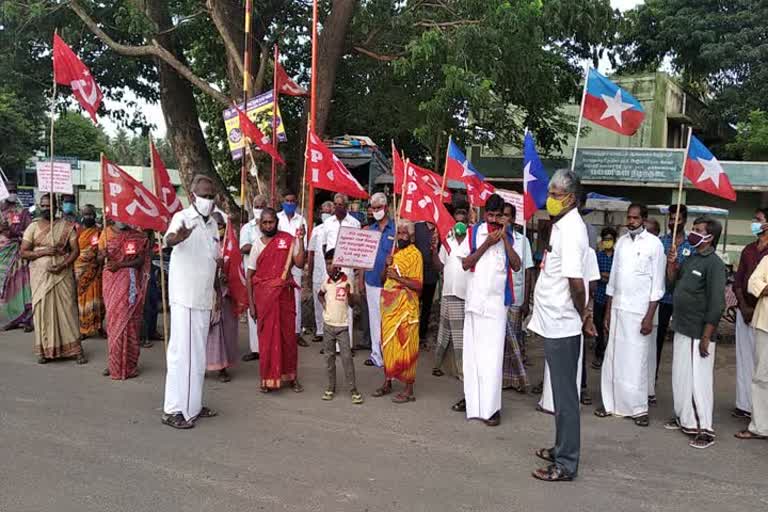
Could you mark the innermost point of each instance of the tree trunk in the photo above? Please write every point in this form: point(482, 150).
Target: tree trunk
point(331, 49)
point(180, 111)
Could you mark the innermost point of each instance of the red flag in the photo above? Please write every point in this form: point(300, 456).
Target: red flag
point(287, 86)
point(234, 271)
point(163, 188)
point(252, 132)
point(431, 180)
point(398, 169)
point(419, 204)
point(69, 70)
point(326, 171)
point(128, 201)
point(478, 191)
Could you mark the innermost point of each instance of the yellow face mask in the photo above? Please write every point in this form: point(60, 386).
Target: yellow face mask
point(556, 206)
point(608, 245)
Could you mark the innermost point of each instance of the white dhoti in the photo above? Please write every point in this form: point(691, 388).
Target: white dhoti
point(253, 334)
point(319, 323)
point(652, 349)
point(745, 363)
point(297, 276)
point(185, 359)
point(624, 377)
point(692, 384)
point(483, 358)
point(759, 423)
point(547, 401)
point(373, 296)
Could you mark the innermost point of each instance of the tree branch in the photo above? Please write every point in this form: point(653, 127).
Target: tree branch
point(153, 50)
point(376, 56)
point(446, 24)
point(229, 43)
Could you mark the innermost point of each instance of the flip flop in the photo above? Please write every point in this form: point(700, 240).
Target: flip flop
point(552, 473)
point(460, 406)
point(437, 372)
point(546, 454)
point(205, 412)
point(328, 395)
point(602, 413)
point(357, 398)
point(747, 435)
point(642, 421)
point(403, 399)
point(381, 392)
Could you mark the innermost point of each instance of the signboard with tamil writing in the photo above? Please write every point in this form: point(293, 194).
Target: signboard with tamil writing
point(356, 248)
point(260, 112)
point(61, 180)
point(629, 164)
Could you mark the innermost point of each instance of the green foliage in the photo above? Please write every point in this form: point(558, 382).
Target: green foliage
point(18, 135)
point(752, 137)
point(76, 136)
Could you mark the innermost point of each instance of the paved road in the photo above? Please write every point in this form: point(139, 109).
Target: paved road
point(74, 441)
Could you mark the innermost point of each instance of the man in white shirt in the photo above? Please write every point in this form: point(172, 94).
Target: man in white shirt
point(488, 294)
point(559, 316)
point(288, 221)
point(331, 227)
point(514, 373)
point(450, 332)
point(248, 234)
point(316, 263)
point(636, 285)
point(194, 237)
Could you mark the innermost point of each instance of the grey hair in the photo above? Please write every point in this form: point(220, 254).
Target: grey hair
point(342, 196)
point(407, 224)
point(567, 180)
point(201, 177)
point(327, 204)
point(259, 201)
point(379, 199)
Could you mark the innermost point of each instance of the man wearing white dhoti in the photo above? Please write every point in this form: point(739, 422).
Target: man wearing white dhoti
point(699, 300)
point(248, 234)
point(745, 333)
point(634, 288)
point(591, 277)
point(288, 221)
point(560, 315)
point(491, 261)
point(194, 237)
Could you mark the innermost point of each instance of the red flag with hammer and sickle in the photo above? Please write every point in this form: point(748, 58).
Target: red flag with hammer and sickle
point(69, 70)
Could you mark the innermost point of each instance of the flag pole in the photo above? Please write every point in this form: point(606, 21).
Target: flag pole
point(275, 97)
point(160, 247)
point(398, 213)
point(581, 116)
point(680, 186)
point(445, 170)
point(258, 181)
point(394, 192)
point(246, 94)
point(525, 219)
point(304, 183)
point(309, 215)
point(53, 118)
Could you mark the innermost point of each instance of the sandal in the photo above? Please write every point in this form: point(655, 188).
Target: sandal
point(265, 389)
point(586, 398)
point(403, 399)
point(602, 413)
point(382, 391)
point(81, 359)
point(296, 387)
point(205, 412)
point(552, 473)
point(642, 421)
point(546, 454)
point(328, 395)
point(537, 389)
point(357, 398)
point(42, 360)
point(597, 365)
point(437, 372)
point(29, 328)
point(702, 441)
point(460, 406)
point(746, 434)
point(224, 376)
point(105, 373)
point(176, 421)
point(369, 362)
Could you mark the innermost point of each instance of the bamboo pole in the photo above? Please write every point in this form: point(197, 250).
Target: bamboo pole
point(445, 171)
point(581, 117)
point(52, 219)
point(275, 96)
point(310, 214)
point(160, 247)
point(680, 189)
point(246, 94)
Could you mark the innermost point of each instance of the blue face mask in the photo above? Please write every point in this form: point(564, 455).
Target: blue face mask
point(68, 208)
point(289, 208)
point(757, 228)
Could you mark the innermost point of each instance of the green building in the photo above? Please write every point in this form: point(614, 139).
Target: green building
point(645, 167)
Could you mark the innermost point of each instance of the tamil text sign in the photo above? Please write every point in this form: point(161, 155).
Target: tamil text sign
point(61, 180)
point(356, 248)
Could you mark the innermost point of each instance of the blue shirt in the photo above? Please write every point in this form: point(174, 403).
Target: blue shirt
point(683, 251)
point(373, 276)
point(604, 263)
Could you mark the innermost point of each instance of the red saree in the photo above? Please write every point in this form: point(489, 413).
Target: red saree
point(124, 293)
point(275, 311)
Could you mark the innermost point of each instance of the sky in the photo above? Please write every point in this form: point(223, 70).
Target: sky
point(154, 113)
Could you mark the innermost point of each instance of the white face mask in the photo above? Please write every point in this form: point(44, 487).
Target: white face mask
point(257, 213)
point(11, 198)
point(325, 216)
point(204, 206)
point(379, 214)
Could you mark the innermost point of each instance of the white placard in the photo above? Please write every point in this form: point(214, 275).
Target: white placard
point(356, 248)
point(516, 199)
point(62, 177)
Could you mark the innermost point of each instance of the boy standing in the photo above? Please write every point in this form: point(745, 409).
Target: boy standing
point(337, 296)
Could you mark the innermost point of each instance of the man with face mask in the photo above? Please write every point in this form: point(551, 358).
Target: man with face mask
point(194, 237)
point(248, 233)
point(288, 221)
point(699, 299)
point(88, 274)
point(69, 208)
point(50, 245)
point(270, 291)
point(489, 292)
point(634, 288)
point(316, 267)
point(373, 278)
point(745, 333)
point(15, 293)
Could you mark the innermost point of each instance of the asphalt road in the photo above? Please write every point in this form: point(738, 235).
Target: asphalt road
point(74, 441)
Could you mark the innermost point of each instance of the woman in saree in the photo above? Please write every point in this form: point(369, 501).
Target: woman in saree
point(403, 277)
point(124, 281)
point(88, 275)
point(15, 294)
point(50, 246)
